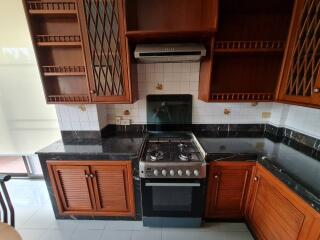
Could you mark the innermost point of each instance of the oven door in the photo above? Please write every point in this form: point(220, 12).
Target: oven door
point(172, 197)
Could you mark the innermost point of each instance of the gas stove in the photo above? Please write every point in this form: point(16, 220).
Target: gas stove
point(172, 155)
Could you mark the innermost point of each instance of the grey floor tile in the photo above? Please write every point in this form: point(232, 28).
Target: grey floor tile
point(23, 214)
point(232, 236)
point(186, 235)
point(146, 235)
point(64, 224)
point(117, 235)
point(31, 234)
point(91, 224)
point(126, 225)
point(225, 227)
point(57, 235)
point(87, 234)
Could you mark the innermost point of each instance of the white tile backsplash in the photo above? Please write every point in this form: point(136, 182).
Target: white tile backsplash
point(183, 78)
point(79, 117)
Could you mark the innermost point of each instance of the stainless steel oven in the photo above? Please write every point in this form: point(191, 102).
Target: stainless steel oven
point(172, 202)
point(172, 166)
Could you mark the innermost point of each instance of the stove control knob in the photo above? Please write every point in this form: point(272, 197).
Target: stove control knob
point(188, 173)
point(156, 172)
point(171, 172)
point(180, 172)
point(196, 173)
point(164, 172)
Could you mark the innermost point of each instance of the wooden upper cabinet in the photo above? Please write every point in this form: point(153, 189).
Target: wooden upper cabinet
point(106, 50)
point(170, 20)
point(73, 188)
point(300, 78)
point(227, 189)
point(245, 57)
point(112, 189)
point(274, 212)
point(93, 188)
point(81, 50)
point(55, 31)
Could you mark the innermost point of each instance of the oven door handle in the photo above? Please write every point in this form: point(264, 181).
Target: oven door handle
point(155, 184)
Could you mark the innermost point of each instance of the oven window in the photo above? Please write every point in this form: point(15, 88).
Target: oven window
point(172, 199)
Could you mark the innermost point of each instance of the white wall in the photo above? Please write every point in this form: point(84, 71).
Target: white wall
point(26, 122)
point(302, 119)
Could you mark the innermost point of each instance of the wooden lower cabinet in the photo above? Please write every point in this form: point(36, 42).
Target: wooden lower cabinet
point(228, 185)
point(94, 188)
point(315, 229)
point(274, 212)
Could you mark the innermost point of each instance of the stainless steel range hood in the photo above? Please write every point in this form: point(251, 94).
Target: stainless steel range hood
point(186, 52)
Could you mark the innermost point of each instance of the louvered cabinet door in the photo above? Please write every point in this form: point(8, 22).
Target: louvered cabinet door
point(113, 187)
point(275, 212)
point(300, 77)
point(103, 30)
point(227, 189)
point(73, 188)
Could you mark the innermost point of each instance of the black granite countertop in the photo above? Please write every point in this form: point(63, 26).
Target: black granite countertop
point(116, 145)
point(296, 166)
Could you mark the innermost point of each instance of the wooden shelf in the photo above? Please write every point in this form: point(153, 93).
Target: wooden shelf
point(58, 40)
point(49, 71)
point(249, 46)
point(163, 34)
point(52, 8)
point(249, 97)
point(65, 98)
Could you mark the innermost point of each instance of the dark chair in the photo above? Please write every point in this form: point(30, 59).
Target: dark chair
point(7, 230)
point(6, 206)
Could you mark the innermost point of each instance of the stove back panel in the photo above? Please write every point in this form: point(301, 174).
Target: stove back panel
point(169, 109)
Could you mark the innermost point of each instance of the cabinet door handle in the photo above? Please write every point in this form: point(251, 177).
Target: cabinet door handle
point(316, 90)
point(216, 177)
point(93, 91)
point(86, 175)
point(92, 176)
point(255, 179)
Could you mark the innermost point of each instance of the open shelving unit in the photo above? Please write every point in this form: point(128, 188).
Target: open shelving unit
point(170, 19)
point(52, 7)
point(261, 97)
point(56, 34)
point(63, 70)
point(249, 46)
point(247, 51)
point(69, 98)
point(58, 40)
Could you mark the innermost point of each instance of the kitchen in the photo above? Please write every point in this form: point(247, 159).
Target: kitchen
point(182, 115)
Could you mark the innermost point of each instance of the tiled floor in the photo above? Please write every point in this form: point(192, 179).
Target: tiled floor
point(35, 221)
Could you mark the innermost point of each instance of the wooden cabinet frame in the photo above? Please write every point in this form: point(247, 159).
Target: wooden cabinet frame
point(93, 188)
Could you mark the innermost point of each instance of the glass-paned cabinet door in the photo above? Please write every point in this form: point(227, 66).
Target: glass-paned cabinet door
point(106, 49)
point(301, 73)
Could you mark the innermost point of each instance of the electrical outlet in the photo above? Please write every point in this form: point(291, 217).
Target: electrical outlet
point(125, 122)
point(266, 114)
point(118, 120)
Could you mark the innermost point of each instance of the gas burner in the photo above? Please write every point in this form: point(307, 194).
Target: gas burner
point(156, 155)
point(184, 156)
point(182, 145)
